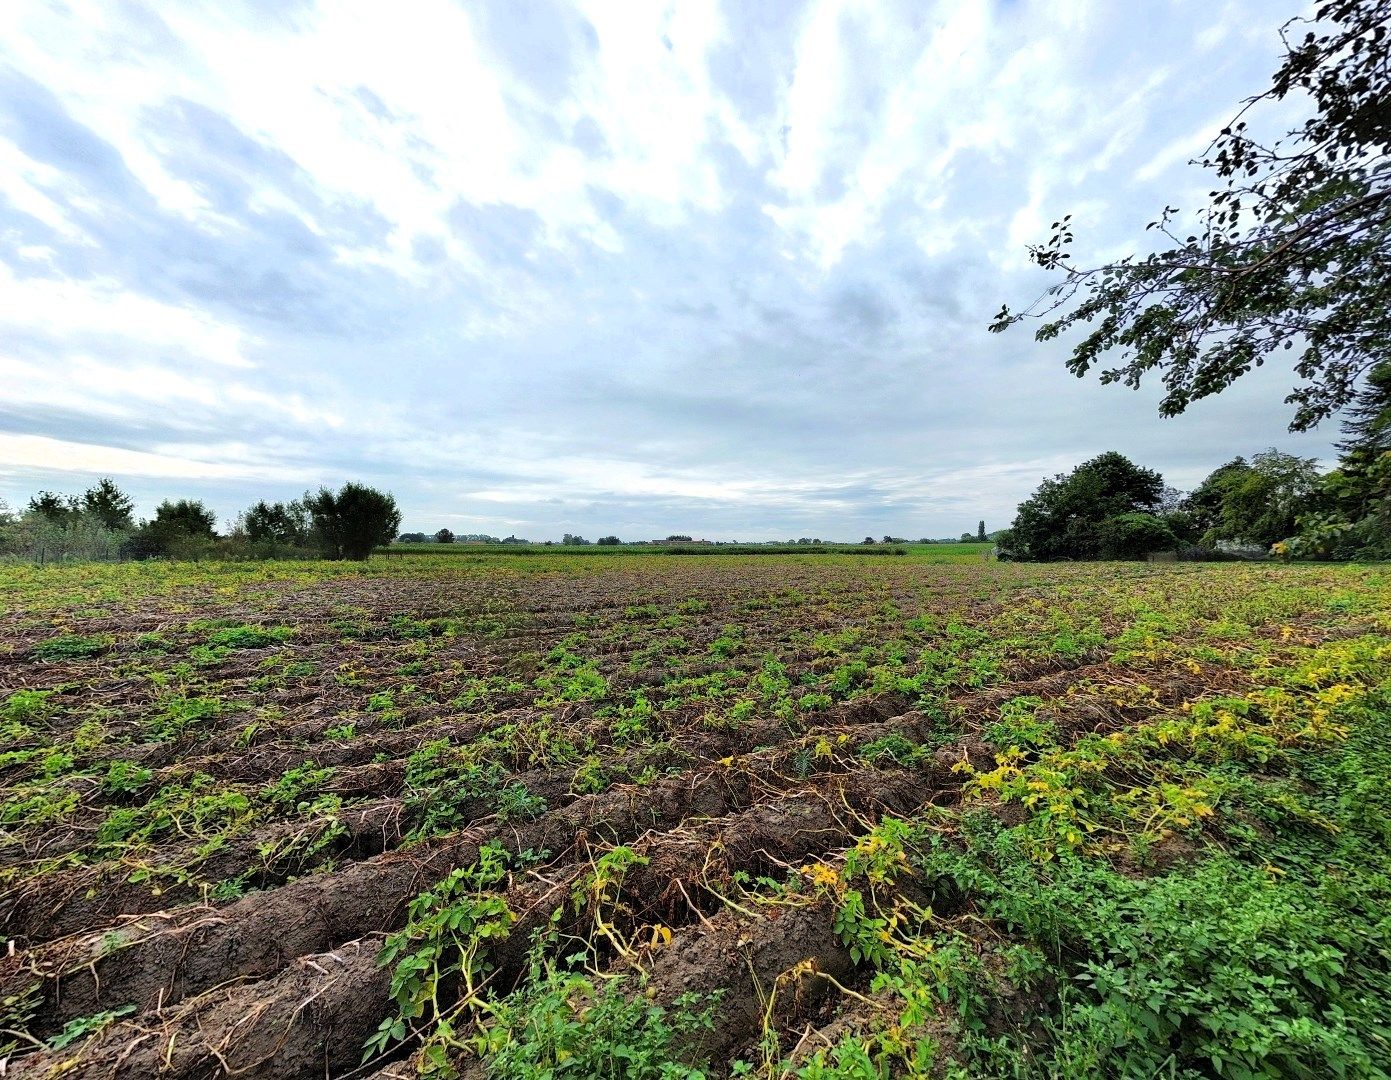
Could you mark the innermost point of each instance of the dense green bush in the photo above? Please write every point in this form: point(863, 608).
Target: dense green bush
point(1133, 536)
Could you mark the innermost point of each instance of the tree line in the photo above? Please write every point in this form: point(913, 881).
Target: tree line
point(1110, 508)
point(100, 524)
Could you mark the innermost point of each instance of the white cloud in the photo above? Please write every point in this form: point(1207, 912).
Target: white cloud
point(122, 319)
point(25, 454)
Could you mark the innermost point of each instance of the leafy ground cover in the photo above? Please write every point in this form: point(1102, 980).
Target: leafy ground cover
point(695, 816)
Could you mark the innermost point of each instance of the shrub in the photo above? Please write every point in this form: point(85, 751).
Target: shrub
point(1132, 536)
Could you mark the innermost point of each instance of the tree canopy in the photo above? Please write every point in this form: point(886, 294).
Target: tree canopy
point(1259, 502)
point(184, 518)
point(1367, 423)
point(353, 521)
point(109, 505)
point(286, 524)
point(1293, 251)
point(1064, 517)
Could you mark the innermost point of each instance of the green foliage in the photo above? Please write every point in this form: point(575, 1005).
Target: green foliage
point(197, 808)
point(1020, 725)
point(1367, 422)
point(185, 518)
point(109, 505)
point(350, 523)
point(83, 1026)
point(559, 1024)
point(1133, 536)
point(288, 791)
point(52, 507)
point(251, 637)
point(282, 524)
point(27, 706)
point(1357, 521)
point(182, 528)
point(572, 678)
point(892, 749)
point(222, 642)
point(443, 946)
point(1066, 517)
point(730, 642)
point(447, 785)
point(1257, 503)
point(71, 647)
point(516, 803)
point(125, 777)
point(1264, 959)
point(854, 1058)
point(179, 713)
point(591, 777)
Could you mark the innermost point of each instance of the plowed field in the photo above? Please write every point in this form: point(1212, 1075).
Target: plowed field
point(694, 817)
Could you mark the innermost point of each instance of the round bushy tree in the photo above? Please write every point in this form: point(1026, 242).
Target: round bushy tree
point(352, 522)
point(1063, 518)
point(1256, 502)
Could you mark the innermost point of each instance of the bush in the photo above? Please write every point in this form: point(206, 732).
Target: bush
point(1133, 536)
point(77, 537)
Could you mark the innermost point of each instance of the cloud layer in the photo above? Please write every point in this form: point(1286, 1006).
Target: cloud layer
point(543, 267)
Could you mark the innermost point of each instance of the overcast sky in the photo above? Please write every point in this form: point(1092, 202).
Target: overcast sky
point(631, 267)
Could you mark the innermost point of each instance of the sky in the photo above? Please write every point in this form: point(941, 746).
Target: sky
point(623, 267)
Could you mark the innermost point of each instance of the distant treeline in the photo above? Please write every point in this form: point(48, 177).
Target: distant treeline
point(640, 549)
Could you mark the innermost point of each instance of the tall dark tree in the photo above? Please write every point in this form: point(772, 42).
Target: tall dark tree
point(353, 521)
point(1367, 422)
point(286, 524)
point(184, 518)
point(109, 505)
point(1293, 252)
point(1350, 515)
point(53, 507)
point(1063, 519)
point(980, 532)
